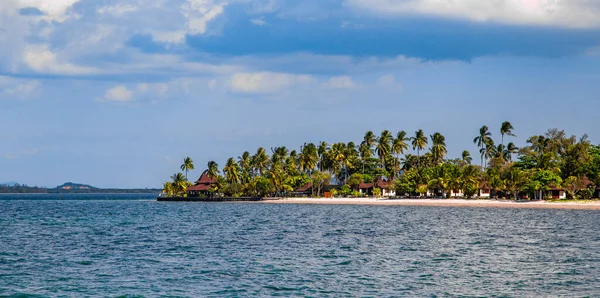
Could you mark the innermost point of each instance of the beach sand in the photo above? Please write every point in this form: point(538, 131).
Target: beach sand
point(440, 203)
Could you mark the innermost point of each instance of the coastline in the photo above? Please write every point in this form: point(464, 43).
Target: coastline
point(440, 203)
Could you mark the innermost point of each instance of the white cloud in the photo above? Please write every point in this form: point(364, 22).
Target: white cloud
point(199, 12)
point(258, 22)
point(341, 82)
point(55, 10)
point(117, 10)
point(563, 13)
point(118, 93)
point(176, 37)
point(41, 59)
point(267, 82)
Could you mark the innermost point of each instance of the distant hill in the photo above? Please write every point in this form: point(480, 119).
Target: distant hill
point(75, 186)
point(70, 187)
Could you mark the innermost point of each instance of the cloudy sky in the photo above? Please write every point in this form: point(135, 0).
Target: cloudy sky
point(116, 92)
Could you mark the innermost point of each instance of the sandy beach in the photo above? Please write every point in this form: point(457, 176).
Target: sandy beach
point(440, 203)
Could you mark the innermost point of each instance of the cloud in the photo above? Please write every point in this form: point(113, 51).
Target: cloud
point(569, 14)
point(117, 10)
point(55, 10)
point(341, 82)
point(199, 12)
point(267, 82)
point(118, 93)
point(258, 22)
point(41, 59)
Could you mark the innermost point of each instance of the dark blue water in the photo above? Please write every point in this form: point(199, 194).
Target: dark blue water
point(107, 245)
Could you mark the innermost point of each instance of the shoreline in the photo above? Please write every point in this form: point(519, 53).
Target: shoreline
point(440, 203)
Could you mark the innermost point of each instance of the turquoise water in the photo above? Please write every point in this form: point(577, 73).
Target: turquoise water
point(125, 245)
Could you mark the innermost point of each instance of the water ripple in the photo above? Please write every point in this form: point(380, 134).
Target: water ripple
point(139, 247)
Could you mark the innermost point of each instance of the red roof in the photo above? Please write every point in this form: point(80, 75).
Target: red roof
point(380, 184)
point(204, 179)
point(304, 188)
point(199, 187)
point(365, 185)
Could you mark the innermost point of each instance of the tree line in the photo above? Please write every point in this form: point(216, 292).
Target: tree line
point(550, 160)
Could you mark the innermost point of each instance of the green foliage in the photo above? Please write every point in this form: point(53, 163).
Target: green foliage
point(552, 159)
point(377, 192)
point(407, 183)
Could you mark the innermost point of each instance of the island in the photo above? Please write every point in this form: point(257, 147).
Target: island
point(552, 166)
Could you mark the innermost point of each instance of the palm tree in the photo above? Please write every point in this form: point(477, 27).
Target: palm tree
point(399, 146)
point(179, 183)
point(338, 155)
point(309, 156)
point(322, 151)
point(212, 170)
point(231, 171)
point(168, 188)
point(188, 164)
point(369, 139)
point(383, 146)
point(506, 129)
point(419, 142)
point(438, 148)
point(260, 160)
point(482, 140)
point(466, 157)
point(365, 153)
point(511, 149)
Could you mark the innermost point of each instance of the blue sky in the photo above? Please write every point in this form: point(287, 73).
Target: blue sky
point(115, 93)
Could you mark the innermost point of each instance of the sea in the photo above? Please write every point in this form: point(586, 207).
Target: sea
point(133, 246)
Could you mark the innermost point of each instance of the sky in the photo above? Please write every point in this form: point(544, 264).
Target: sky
point(115, 93)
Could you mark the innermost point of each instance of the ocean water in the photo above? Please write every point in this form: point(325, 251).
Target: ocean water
point(131, 245)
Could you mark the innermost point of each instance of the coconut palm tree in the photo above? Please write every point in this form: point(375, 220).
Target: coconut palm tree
point(419, 142)
point(231, 171)
point(365, 153)
point(245, 161)
point(188, 164)
point(483, 140)
point(466, 157)
point(260, 160)
point(322, 151)
point(369, 139)
point(309, 156)
point(506, 129)
point(511, 149)
point(383, 147)
point(212, 170)
point(338, 155)
point(438, 148)
point(168, 189)
point(399, 146)
point(179, 183)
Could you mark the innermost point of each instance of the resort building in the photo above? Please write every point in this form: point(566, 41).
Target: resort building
point(558, 193)
point(201, 186)
point(484, 190)
point(386, 186)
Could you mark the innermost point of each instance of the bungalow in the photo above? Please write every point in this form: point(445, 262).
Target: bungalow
point(456, 193)
point(558, 193)
point(201, 186)
point(304, 191)
point(484, 190)
point(386, 186)
point(597, 193)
